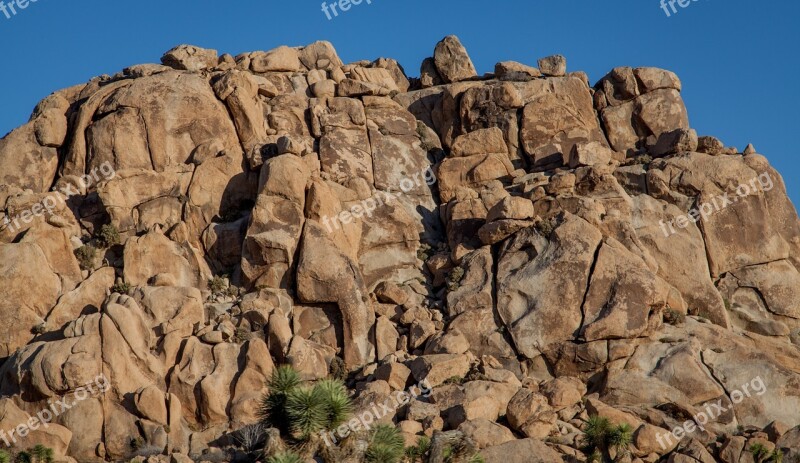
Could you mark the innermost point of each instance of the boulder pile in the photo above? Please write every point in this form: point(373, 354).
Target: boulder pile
point(538, 251)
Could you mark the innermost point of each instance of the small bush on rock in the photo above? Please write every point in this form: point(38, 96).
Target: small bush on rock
point(86, 256)
point(108, 236)
point(385, 446)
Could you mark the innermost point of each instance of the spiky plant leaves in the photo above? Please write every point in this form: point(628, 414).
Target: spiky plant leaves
point(477, 458)
point(273, 406)
point(597, 431)
point(620, 437)
point(307, 411)
point(417, 452)
point(287, 457)
point(4, 457)
point(385, 446)
point(338, 406)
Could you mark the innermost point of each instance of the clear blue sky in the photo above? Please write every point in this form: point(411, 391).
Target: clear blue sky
point(738, 59)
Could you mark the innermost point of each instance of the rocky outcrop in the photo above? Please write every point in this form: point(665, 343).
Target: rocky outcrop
point(534, 249)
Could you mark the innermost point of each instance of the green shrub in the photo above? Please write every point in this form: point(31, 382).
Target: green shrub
point(545, 227)
point(620, 437)
point(424, 252)
point(287, 457)
point(108, 236)
point(217, 285)
point(417, 452)
point(454, 278)
point(86, 256)
point(337, 404)
point(5, 457)
point(477, 458)
point(305, 407)
point(759, 452)
point(300, 411)
point(23, 457)
point(386, 445)
point(121, 288)
point(601, 436)
point(273, 407)
point(673, 317)
point(338, 369)
point(41, 454)
point(596, 432)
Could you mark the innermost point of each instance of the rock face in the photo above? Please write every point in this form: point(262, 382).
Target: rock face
point(535, 250)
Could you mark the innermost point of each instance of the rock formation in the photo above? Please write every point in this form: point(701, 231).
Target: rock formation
point(539, 250)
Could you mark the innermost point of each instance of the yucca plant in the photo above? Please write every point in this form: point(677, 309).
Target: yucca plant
point(273, 407)
point(337, 403)
point(41, 454)
point(601, 436)
point(620, 437)
point(287, 457)
point(306, 410)
point(477, 458)
point(596, 432)
point(386, 445)
point(417, 452)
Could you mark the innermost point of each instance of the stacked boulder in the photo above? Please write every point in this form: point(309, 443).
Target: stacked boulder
point(520, 242)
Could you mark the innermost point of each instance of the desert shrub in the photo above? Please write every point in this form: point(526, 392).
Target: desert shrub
point(23, 457)
point(601, 436)
point(424, 252)
point(338, 369)
point(418, 452)
point(620, 437)
point(41, 454)
point(251, 437)
point(336, 402)
point(217, 284)
point(477, 458)
point(673, 317)
point(454, 278)
point(86, 256)
point(305, 408)
point(287, 457)
point(299, 411)
point(121, 287)
point(108, 236)
point(273, 407)
point(5, 457)
point(545, 227)
point(386, 445)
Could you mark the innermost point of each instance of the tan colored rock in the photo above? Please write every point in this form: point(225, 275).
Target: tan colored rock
point(483, 141)
point(521, 451)
point(190, 58)
point(555, 66)
point(452, 61)
point(511, 70)
point(486, 433)
point(436, 369)
point(396, 374)
point(281, 59)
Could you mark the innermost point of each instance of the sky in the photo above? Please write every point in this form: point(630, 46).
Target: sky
point(736, 58)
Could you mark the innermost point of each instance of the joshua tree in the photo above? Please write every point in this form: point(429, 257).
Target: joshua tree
point(386, 445)
point(601, 437)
